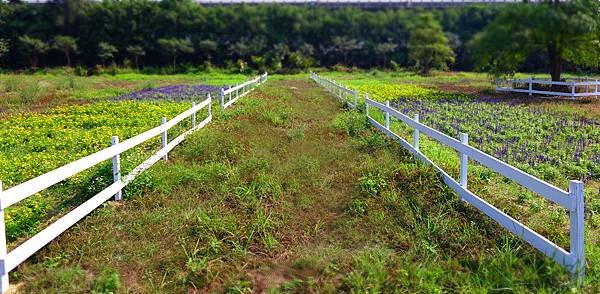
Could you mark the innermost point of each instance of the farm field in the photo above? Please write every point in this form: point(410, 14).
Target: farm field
point(288, 191)
point(451, 85)
point(62, 123)
point(20, 92)
point(555, 140)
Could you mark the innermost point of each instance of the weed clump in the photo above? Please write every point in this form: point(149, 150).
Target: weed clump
point(373, 183)
point(108, 281)
point(351, 122)
point(30, 93)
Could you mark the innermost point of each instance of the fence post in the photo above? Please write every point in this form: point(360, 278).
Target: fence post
point(596, 88)
point(116, 167)
point(237, 93)
point(530, 86)
point(3, 250)
point(222, 101)
point(193, 114)
point(367, 104)
point(209, 104)
point(229, 93)
point(164, 136)
point(416, 134)
point(572, 89)
point(387, 115)
point(464, 161)
point(576, 217)
point(355, 94)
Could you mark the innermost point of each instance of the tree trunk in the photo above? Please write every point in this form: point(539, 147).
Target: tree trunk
point(174, 61)
point(555, 61)
point(34, 60)
point(384, 61)
point(137, 67)
point(68, 58)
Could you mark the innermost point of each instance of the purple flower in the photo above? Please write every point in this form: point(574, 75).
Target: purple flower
point(176, 92)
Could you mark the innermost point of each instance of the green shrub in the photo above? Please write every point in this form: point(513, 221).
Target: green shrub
point(350, 122)
point(371, 142)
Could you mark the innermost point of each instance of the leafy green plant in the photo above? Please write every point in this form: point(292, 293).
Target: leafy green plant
point(350, 122)
point(373, 183)
point(356, 207)
point(108, 281)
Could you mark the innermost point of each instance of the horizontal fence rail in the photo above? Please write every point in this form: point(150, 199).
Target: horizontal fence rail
point(573, 259)
point(232, 94)
point(349, 97)
point(573, 89)
point(10, 260)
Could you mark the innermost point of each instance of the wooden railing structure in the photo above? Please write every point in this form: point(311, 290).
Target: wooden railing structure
point(573, 88)
point(10, 260)
point(232, 94)
point(573, 259)
point(347, 96)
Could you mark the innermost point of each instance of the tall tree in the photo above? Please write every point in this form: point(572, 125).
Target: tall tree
point(568, 30)
point(33, 47)
point(384, 49)
point(106, 52)
point(208, 48)
point(66, 45)
point(174, 46)
point(136, 51)
point(246, 47)
point(345, 46)
point(427, 45)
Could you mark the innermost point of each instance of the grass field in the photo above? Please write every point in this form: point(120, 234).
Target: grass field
point(288, 192)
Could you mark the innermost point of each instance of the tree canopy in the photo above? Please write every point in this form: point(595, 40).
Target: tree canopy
point(274, 37)
point(563, 31)
point(427, 45)
point(66, 45)
point(33, 47)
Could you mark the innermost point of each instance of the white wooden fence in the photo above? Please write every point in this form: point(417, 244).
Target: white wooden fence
point(573, 259)
point(349, 97)
point(574, 88)
point(232, 94)
point(10, 260)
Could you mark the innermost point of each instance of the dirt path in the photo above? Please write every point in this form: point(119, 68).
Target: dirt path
point(286, 191)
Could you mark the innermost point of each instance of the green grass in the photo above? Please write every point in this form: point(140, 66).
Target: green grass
point(304, 197)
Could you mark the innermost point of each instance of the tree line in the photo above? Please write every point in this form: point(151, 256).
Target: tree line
point(180, 34)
